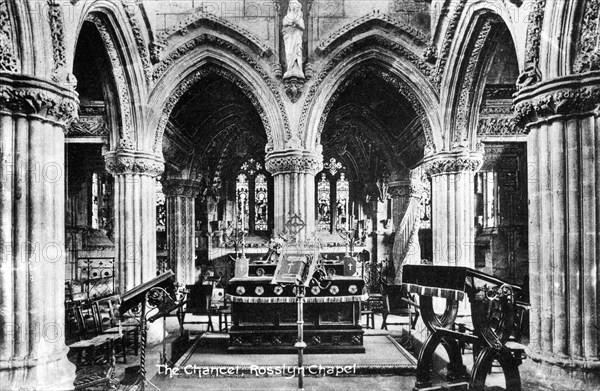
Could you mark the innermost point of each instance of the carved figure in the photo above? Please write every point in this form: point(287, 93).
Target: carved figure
point(293, 29)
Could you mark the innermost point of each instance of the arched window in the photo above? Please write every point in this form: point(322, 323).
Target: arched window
point(252, 197)
point(333, 197)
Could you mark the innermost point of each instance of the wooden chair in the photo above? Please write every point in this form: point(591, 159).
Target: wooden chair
point(198, 302)
point(396, 302)
point(224, 315)
point(373, 305)
point(111, 323)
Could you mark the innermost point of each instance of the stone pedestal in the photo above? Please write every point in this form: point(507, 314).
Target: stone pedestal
point(181, 196)
point(564, 232)
point(453, 205)
point(135, 215)
point(294, 173)
point(33, 114)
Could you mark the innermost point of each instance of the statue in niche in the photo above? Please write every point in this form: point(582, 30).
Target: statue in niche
point(293, 29)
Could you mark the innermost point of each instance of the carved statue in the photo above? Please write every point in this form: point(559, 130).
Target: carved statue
point(293, 28)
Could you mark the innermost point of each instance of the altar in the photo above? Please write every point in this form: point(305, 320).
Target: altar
point(264, 314)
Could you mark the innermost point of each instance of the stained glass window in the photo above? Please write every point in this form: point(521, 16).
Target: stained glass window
point(261, 203)
point(241, 195)
point(324, 203)
point(342, 197)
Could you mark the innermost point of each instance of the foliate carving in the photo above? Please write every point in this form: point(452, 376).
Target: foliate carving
point(532, 75)
point(447, 43)
point(126, 140)
point(464, 102)
point(181, 188)
point(588, 53)
point(9, 62)
point(293, 162)
point(374, 15)
point(293, 88)
point(194, 78)
point(140, 42)
point(562, 102)
point(506, 126)
point(19, 94)
point(127, 161)
point(459, 160)
point(197, 20)
point(55, 16)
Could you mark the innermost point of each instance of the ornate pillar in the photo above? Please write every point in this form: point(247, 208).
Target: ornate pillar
point(294, 184)
point(135, 175)
point(453, 205)
point(181, 196)
point(563, 145)
point(33, 116)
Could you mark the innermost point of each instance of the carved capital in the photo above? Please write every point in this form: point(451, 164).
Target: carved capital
point(564, 96)
point(293, 161)
point(453, 162)
point(181, 188)
point(29, 96)
point(127, 161)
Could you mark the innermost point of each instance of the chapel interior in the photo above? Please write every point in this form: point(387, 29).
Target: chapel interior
point(190, 147)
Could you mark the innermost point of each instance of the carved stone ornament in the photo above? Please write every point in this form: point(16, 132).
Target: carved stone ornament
point(131, 9)
point(55, 16)
point(9, 62)
point(181, 188)
point(570, 95)
point(447, 43)
point(126, 161)
point(500, 126)
point(29, 96)
point(453, 162)
point(89, 126)
point(293, 161)
point(293, 88)
point(532, 75)
point(588, 52)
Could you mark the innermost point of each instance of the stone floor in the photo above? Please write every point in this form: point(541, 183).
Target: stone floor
point(363, 382)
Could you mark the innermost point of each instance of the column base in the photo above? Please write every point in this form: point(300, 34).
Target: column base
point(552, 374)
point(54, 374)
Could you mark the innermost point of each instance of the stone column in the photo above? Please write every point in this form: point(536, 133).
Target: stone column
point(181, 199)
point(453, 205)
point(33, 116)
point(294, 173)
point(564, 230)
point(135, 175)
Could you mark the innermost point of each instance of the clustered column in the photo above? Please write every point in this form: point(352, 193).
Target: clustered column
point(181, 195)
point(453, 205)
point(33, 117)
point(135, 175)
point(564, 230)
point(294, 187)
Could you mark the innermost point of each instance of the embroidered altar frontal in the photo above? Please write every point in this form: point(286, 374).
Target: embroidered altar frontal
point(264, 316)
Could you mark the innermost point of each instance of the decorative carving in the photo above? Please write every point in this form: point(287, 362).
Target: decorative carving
point(293, 88)
point(55, 16)
point(448, 38)
point(293, 29)
point(505, 126)
point(588, 53)
point(453, 162)
point(180, 188)
point(126, 140)
point(197, 20)
point(20, 94)
point(562, 102)
point(89, 126)
point(375, 15)
point(131, 10)
point(532, 75)
point(291, 162)
point(373, 41)
point(194, 78)
point(466, 92)
point(127, 161)
point(9, 62)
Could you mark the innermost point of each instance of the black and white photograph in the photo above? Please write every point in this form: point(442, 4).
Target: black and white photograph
point(300, 195)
